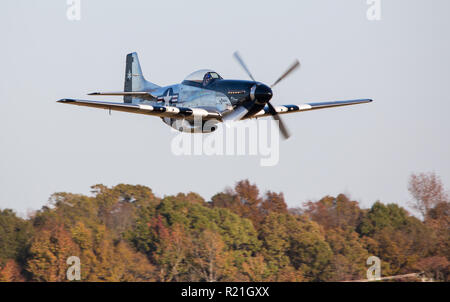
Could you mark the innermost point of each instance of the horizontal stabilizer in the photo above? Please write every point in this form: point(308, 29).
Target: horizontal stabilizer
point(119, 93)
point(143, 95)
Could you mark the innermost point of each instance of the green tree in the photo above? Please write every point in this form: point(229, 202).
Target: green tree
point(15, 235)
point(381, 216)
point(400, 239)
point(296, 241)
point(349, 254)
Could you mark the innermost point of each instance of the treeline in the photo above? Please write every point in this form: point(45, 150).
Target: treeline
point(126, 233)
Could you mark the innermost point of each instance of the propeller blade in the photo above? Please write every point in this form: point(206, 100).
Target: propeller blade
point(283, 129)
point(293, 67)
point(238, 58)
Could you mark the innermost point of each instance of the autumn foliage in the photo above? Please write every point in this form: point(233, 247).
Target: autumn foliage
point(126, 233)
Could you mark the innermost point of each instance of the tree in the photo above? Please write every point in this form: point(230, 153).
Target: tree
point(331, 212)
point(439, 221)
point(275, 237)
point(11, 272)
point(381, 216)
point(211, 260)
point(255, 269)
point(295, 241)
point(274, 202)
point(349, 255)
point(49, 251)
point(91, 228)
point(245, 201)
point(173, 248)
point(105, 259)
point(15, 235)
point(436, 267)
point(238, 233)
point(427, 191)
point(228, 200)
point(192, 198)
point(125, 233)
point(118, 206)
point(248, 195)
point(400, 239)
point(135, 267)
point(311, 254)
point(171, 232)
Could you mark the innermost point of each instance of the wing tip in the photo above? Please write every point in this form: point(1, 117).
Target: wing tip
point(65, 101)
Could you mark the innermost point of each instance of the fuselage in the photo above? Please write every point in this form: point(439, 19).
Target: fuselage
point(214, 95)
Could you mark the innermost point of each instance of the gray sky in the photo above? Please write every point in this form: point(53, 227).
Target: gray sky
point(367, 151)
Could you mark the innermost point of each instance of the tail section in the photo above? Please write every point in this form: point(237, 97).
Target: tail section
point(134, 79)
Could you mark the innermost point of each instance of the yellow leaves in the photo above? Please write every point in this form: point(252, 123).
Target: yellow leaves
point(132, 265)
point(99, 234)
point(255, 269)
point(115, 263)
point(183, 238)
point(211, 259)
point(49, 252)
point(288, 274)
point(82, 236)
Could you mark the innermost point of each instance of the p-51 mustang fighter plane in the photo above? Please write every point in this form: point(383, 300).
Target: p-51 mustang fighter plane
point(203, 95)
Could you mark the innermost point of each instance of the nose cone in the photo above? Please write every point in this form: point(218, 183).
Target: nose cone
point(263, 94)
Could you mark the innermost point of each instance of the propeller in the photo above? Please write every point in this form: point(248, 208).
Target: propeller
point(238, 58)
point(291, 69)
point(272, 111)
point(283, 129)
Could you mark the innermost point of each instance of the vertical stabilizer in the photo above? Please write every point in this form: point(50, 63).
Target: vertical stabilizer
point(134, 79)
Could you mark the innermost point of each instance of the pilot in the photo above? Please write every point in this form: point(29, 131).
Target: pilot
point(206, 79)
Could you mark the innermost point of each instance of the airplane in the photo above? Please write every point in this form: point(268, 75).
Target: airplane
point(203, 95)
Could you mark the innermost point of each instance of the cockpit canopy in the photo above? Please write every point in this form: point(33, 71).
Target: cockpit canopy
point(204, 77)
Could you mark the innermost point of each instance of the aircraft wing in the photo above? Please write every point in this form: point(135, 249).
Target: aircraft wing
point(155, 110)
point(284, 109)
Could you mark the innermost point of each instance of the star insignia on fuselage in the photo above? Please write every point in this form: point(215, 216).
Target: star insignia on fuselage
point(168, 97)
